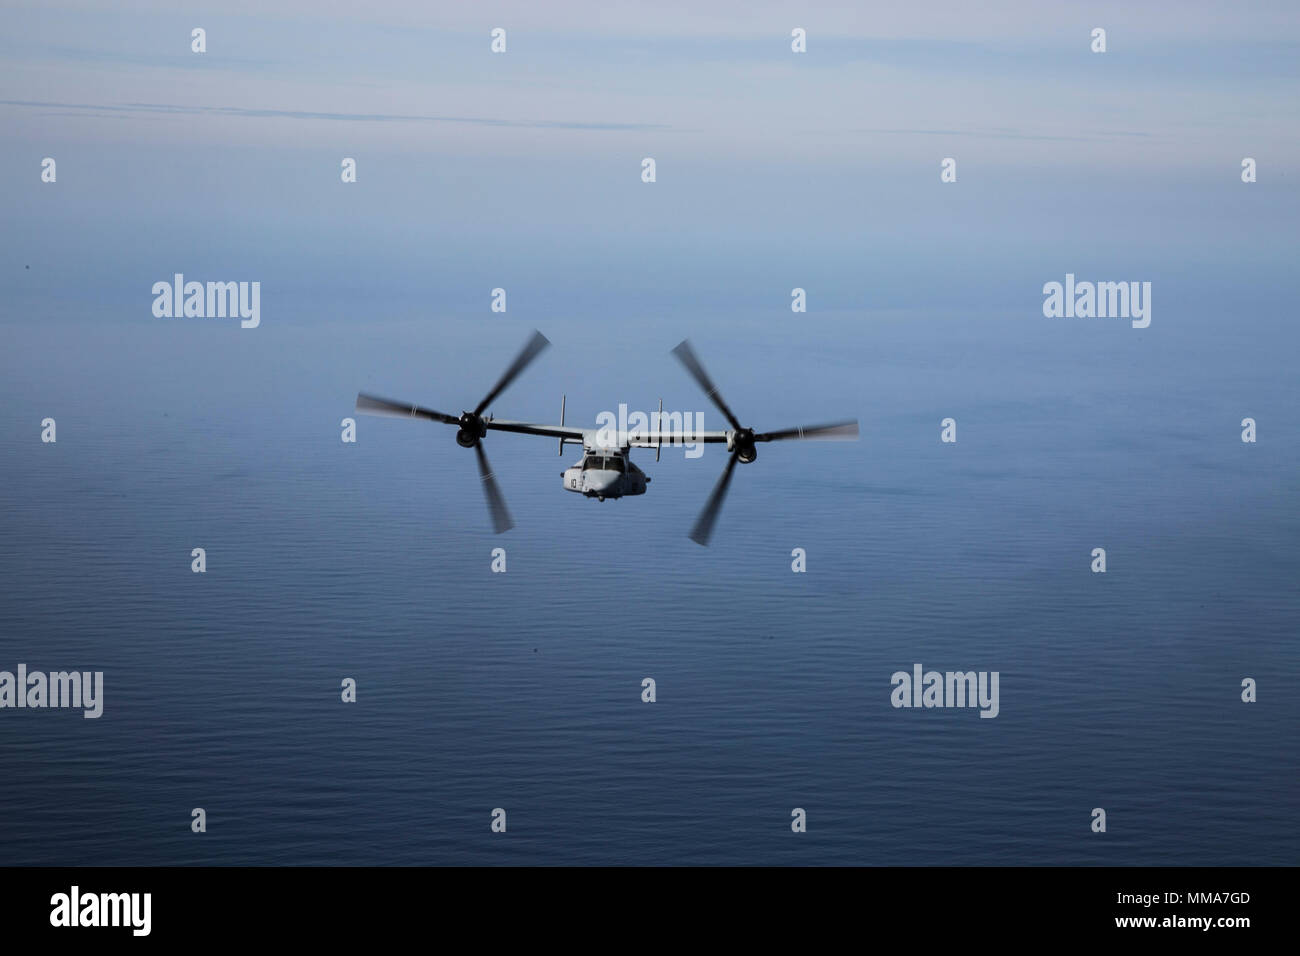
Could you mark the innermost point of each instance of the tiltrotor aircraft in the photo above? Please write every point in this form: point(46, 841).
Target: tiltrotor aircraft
point(606, 469)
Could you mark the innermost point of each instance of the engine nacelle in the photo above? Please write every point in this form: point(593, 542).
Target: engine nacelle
point(472, 428)
point(742, 443)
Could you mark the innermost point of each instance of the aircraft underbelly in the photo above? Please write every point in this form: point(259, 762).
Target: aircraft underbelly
point(596, 484)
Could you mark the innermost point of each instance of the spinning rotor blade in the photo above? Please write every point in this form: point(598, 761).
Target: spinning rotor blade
point(703, 529)
point(835, 431)
point(521, 362)
point(372, 405)
point(686, 355)
point(495, 500)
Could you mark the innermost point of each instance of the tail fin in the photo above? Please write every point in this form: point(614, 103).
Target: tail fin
point(659, 424)
point(562, 398)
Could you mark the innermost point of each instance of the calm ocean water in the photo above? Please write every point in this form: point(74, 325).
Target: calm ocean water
point(522, 690)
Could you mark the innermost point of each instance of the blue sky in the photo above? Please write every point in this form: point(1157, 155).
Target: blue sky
point(1178, 75)
point(818, 169)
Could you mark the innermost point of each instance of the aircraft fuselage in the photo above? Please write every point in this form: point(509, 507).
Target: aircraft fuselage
point(605, 473)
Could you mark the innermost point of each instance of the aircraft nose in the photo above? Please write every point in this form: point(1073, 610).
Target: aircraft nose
point(599, 481)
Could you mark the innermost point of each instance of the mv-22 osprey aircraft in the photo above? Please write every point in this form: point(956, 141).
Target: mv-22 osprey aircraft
point(606, 469)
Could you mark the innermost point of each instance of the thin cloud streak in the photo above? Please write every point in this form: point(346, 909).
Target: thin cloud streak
point(995, 133)
point(262, 113)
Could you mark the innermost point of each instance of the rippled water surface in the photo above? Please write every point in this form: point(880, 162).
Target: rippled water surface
point(522, 690)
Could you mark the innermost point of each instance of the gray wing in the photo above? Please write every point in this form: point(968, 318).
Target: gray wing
point(670, 438)
point(532, 428)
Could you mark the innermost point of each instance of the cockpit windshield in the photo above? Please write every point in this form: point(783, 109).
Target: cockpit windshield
point(604, 463)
